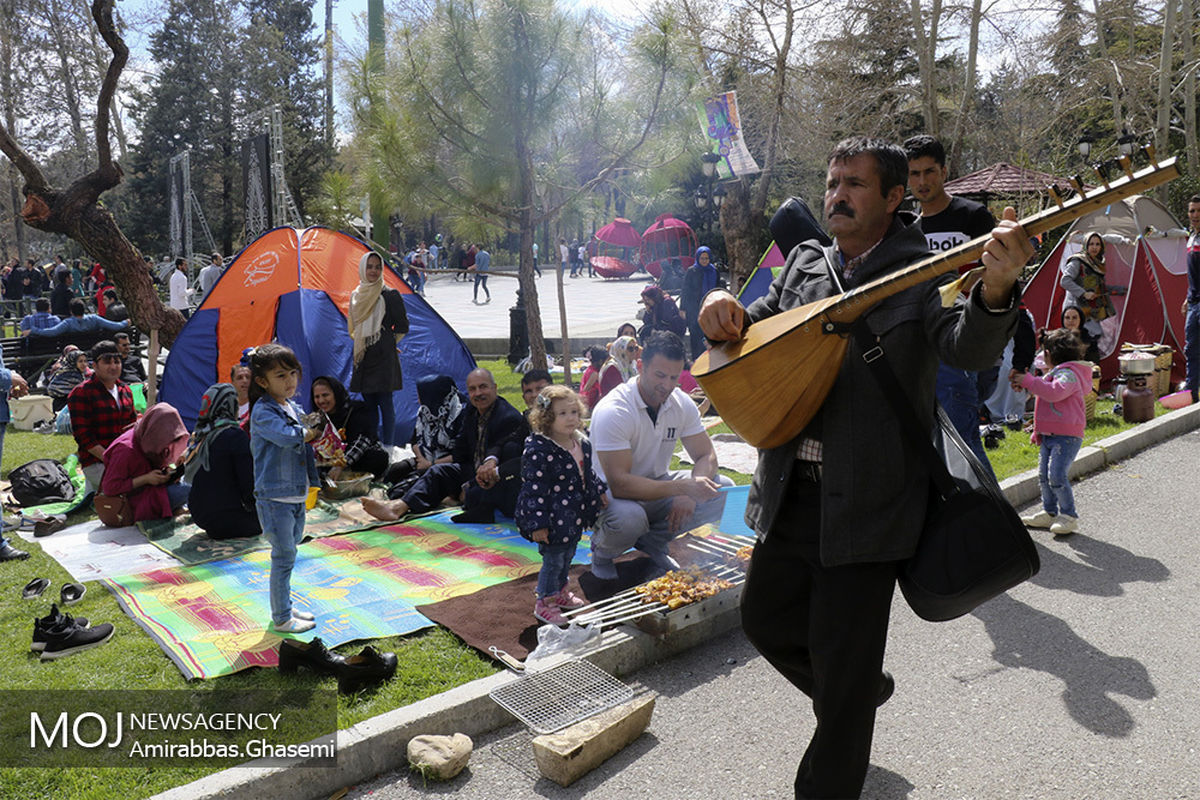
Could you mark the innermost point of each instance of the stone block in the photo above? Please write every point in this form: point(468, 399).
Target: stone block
point(567, 755)
point(440, 757)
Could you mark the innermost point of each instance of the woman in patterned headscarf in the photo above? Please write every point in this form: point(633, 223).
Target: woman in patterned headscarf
point(220, 468)
point(1083, 280)
point(376, 321)
point(621, 365)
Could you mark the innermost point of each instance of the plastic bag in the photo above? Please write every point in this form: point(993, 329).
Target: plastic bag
point(555, 643)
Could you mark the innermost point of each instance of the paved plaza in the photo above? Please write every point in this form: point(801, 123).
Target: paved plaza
point(595, 307)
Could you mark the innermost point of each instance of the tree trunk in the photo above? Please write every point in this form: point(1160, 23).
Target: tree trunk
point(76, 213)
point(329, 143)
point(742, 212)
point(8, 91)
point(740, 224)
point(968, 101)
point(1189, 85)
point(1163, 136)
point(18, 226)
point(926, 49)
point(1114, 79)
point(55, 22)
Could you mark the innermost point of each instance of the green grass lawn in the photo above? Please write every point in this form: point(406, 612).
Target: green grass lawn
point(1016, 453)
point(431, 661)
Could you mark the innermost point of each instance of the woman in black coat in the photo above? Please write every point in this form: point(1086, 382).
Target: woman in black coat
point(377, 321)
point(355, 426)
point(220, 469)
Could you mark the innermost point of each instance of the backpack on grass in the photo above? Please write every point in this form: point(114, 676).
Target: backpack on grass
point(41, 481)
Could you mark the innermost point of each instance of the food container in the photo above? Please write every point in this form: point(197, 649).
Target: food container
point(31, 409)
point(1137, 363)
point(351, 484)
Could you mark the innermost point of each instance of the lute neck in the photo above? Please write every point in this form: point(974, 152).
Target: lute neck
point(854, 303)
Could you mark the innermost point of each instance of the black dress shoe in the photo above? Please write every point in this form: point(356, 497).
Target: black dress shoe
point(369, 666)
point(478, 516)
point(10, 553)
point(887, 686)
point(294, 654)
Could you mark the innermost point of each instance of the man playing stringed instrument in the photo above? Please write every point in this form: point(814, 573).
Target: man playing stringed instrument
point(838, 507)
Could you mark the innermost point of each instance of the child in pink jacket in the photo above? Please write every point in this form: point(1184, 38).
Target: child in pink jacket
point(1059, 419)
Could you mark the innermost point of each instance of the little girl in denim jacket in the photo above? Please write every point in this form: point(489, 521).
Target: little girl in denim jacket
point(1059, 420)
point(284, 471)
point(560, 495)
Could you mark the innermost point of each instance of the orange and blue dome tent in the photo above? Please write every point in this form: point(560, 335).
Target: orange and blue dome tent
point(293, 287)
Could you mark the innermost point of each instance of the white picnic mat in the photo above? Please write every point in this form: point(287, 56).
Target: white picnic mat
point(90, 551)
point(732, 453)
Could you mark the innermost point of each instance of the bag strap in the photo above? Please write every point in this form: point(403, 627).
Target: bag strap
point(873, 355)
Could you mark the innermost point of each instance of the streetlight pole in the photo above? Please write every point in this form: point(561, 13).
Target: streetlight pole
point(709, 197)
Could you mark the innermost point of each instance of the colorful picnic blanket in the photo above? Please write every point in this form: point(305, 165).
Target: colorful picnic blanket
point(183, 539)
point(214, 619)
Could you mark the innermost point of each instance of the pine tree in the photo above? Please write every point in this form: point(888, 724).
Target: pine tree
point(286, 70)
point(191, 103)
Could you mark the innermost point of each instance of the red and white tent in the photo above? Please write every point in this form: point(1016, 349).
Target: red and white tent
point(1145, 254)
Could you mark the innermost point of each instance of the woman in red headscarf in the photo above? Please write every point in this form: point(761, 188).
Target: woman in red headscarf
point(142, 464)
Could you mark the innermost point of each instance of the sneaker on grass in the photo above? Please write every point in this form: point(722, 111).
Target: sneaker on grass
point(55, 619)
point(65, 640)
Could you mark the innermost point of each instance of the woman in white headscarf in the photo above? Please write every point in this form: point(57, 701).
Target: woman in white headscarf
point(621, 364)
point(376, 322)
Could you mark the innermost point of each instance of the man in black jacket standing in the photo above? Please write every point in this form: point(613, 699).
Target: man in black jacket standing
point(491, 430)
point(841, 505)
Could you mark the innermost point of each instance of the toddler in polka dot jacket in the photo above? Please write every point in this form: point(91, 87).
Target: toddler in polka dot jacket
point(560, 496)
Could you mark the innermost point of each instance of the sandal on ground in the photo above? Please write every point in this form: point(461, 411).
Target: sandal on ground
point(35, 588)
point(72, 593)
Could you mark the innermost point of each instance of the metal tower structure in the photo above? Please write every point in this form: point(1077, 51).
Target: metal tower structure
point(285, 211)
point(183, 204)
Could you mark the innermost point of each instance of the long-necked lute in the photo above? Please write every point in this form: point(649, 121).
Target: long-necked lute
point(770, 383)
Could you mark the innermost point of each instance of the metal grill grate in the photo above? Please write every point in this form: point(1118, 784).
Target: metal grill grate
point(561, 696)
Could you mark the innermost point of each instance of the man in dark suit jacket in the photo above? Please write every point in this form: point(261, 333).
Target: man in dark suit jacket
point(491, 432)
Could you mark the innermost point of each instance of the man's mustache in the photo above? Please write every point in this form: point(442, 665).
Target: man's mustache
point(842, 208)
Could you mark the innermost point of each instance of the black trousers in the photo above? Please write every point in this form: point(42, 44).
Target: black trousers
point(439, 482)
point(824, 629)
point(446, 480)
point(234, 523)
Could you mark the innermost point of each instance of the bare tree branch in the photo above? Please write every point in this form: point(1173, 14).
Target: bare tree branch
point(35, 181)
point(107, 169)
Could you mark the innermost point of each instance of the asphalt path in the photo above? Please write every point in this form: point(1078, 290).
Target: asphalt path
point(1081, 683)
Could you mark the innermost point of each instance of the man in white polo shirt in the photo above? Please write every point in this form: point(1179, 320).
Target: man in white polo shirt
point(635, 429)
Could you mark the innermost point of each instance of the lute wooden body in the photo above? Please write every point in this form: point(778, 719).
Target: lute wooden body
point(769, 384)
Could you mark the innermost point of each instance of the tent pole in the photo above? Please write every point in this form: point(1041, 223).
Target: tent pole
point(151, 375)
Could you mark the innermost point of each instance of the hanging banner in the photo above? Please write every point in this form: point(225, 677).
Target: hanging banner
point(256, 186)
point(722, 125)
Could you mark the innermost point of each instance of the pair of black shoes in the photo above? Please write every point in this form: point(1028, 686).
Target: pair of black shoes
point(56, 635)
point(354, 673)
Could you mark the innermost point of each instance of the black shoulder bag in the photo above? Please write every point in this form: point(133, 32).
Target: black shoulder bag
point(973, 546)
